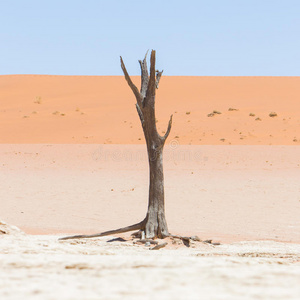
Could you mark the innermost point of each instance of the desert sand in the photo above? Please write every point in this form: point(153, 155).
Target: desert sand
point(100, 109)
point(227, 193)
point(41, 267)
point(244, 197)
point(73, 161)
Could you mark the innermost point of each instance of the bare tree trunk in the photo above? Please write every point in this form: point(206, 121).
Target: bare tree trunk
point(156, 225)
point(155, 221)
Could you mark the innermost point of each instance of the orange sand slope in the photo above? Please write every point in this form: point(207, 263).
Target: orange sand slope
point(100, 109)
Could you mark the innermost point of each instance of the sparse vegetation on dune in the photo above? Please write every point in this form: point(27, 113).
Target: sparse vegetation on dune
point(38, 100)
point(272, 114)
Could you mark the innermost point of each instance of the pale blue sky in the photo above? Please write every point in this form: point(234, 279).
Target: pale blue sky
point(201, 38)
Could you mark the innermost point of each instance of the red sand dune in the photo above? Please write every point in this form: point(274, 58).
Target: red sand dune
point(100, 109)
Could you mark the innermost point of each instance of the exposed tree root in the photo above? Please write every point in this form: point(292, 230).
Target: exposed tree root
point(140, 235)
point(159, 246)
point(105, 233)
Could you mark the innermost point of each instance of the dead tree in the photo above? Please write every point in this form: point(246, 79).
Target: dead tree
point(154, 225)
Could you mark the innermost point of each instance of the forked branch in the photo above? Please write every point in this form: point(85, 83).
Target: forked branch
point(134, 89)
point(168, 130)
point(144, 75)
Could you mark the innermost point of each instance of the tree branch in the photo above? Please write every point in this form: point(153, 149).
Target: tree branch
point(158, 76)
point(144, 75)
point(152, 79)
point(134, 89)
point(168, 130)
point(110, 232)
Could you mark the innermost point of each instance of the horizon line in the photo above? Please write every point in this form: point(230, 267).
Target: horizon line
point(261, 76)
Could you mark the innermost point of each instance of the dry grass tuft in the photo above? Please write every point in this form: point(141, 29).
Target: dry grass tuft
point(272, 114)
